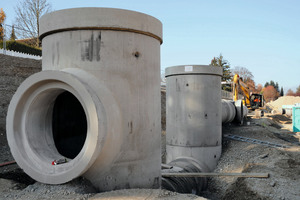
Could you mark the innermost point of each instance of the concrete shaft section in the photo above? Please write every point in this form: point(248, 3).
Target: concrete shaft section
point(194, 115)
point(96, 102)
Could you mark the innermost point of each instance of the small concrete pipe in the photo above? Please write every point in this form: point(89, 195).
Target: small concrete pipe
point(96, 102)
point(287, 111)
point(194, 113)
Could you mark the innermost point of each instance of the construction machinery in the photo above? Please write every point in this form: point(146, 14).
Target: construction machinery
point(252, 101)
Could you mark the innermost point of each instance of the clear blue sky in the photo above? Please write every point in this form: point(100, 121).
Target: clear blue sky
point(261, 35)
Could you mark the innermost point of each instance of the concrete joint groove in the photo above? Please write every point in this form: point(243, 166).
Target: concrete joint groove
point(105, 29)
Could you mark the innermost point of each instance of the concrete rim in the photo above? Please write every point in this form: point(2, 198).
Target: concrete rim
point(39, 91)
point(193, 70)
point(239, 117)
point(96, 18)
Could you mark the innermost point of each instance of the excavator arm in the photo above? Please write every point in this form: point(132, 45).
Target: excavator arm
point(238, 83)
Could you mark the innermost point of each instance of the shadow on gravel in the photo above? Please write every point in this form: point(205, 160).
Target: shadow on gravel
point(18, 176)
point(240, 191)
point(281, 119)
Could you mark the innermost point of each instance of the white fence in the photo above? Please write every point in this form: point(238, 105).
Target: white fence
point(19, 54)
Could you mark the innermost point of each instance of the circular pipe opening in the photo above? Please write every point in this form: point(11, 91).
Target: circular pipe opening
point(69, 125)
point(55, 123)
point(55, 115)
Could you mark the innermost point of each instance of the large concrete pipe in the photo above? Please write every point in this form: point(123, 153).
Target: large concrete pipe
point(194, 115)
point(233, 111)
point(228, 111)
point(96, 102)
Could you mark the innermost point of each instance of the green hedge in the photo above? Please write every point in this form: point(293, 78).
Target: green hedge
point(20, 47)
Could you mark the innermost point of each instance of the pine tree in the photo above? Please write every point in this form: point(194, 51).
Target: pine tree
point(13, 35)
point(220, 62)
point(277, 86)
point(267, 84)
point(281, 92)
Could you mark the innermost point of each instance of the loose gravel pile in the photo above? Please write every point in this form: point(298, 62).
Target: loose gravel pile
point(285, 100)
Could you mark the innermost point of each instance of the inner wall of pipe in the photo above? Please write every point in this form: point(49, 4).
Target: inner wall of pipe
point(69, 125)
point(56, 125)
point(39, 125)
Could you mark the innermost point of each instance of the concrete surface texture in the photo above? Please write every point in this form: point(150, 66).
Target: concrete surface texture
point(194, 113)
point(95, 104)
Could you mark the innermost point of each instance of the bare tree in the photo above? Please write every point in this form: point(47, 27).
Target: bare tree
point(244, 73)
point(290, 93)
point(28, 15)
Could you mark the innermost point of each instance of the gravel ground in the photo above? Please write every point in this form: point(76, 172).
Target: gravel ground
point(283, 166)
point(76, 189)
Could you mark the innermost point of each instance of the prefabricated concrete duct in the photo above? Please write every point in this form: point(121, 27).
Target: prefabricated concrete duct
point(228, 111)
point(193, 113)
point(96, 102)
point(233, 111)
point(282, 111)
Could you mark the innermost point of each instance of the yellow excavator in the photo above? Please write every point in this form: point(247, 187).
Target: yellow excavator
point(252, 101)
